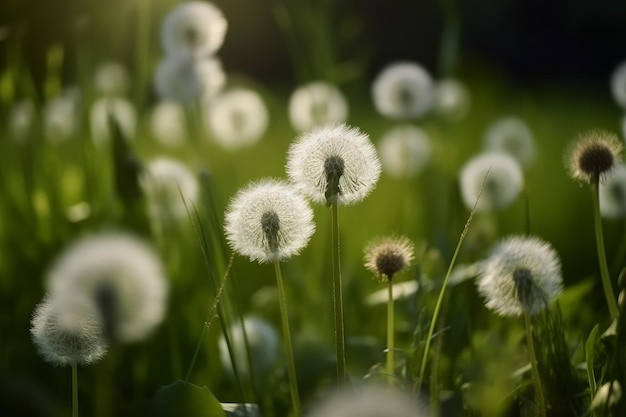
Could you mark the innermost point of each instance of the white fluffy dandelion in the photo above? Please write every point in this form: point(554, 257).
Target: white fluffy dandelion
point(170, 189)
point(194, 29)
point(119, 110)
point(167, 124)
point(334, 164)
point(618, 85)
point(497, 174)
point(452, 99)
point(404, 151)
point(237, 118)
point(111, 79)
point(63, 338)
point(268, 221)
point(520, 274)
point(613, 193)
point(189, 80)
point(22, 120)
point(403, 90)
point(316, 104)
point(511, 135)
point(60, 116)
point(263, 343)
point(119, 275)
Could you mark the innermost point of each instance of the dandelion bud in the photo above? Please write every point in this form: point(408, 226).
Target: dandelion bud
point(612, 193)
point(388, 256)
point(594, 156)
point(317, 104)
point(403, 90)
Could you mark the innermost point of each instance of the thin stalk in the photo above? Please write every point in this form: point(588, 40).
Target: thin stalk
point(539, 398)
point(74, 390)
point(291, 367)
point(390, 333)
point(604, 268)
point(338, 298)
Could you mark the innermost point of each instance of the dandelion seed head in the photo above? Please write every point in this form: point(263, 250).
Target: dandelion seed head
point(118, 109)
point(268, 221)
point(497, 174)
point(194, 29)
point(612, 193)
point(189, 80)
point(403, 90)
point(237, 118)
point(167, 124)
point(593, 156)
point(520, 274)
point(511, 135)
point(118, 274)
point(388, 256)
point(111, 79)
point(170, 188)
point(404, 151)
point(317, 104)
point(451, 99)
point(22, 119)
point(618, 85)
point(65, 339)
point(334, 164)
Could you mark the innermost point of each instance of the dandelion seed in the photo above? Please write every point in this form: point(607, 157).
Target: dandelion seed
point(167, 124)
point(22, 120)
point(334, 164)
point(404, 151)
point(388, 256)
point(268, 220)
point(111, 79)
point(317, 104)
point(497, 174)
point(187, 80)
point(65, 339)
point(194, 29)
point(513, 136)
point(119, 275)
point(370, 401)
point(594, 156)
point(403, 90)
point(618, 85)
point(170, 189)
point(237, 118)
point(613, 193)
point(451, 99)
point(520, 274)
point(263, 344)
point(118, 109)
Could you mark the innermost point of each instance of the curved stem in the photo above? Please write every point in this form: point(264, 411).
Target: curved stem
point(74, 390)
point(390, 333)
point(604, 268)
point(539, 398)
point(291, 367)
point(338, 298)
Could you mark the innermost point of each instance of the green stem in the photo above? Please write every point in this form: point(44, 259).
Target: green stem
point(74, 390)
point(291, 367)
point(539, 399)
point(604, 269)
point(390, 358)
point(338, 298)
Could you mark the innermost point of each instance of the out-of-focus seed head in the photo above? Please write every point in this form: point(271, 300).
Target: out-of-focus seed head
point(404, 151)
point(511, 135)
point(317, 104)
point(189, 80)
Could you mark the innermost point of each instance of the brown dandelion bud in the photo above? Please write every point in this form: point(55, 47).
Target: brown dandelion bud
point(387, 256)
point(594, 156)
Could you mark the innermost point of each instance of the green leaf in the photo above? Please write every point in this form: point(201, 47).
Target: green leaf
point(180, 399)
point(590, 347)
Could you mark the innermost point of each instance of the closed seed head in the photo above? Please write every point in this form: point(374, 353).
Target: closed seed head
point(388, 256)
point(594, 155)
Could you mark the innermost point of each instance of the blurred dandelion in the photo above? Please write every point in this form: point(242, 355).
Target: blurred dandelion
point(60, 116)
point(237, 118)
point(118, 109)
point(502, 177)
point(22, 120)
point(618, 85)
point(111, 79)
point(511, 135)
point(117, 274)
point(612, 193)
point(452, 99)
point(167, 124)
point(403, 90)
point(317, 104)
point(189, 80)
point(404, 151)
point(194, 29)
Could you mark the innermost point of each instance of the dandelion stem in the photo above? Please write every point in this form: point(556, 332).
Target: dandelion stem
point(390, 333)
point(604, 269)
point(74, 390)
point(539, 399)
point(291, 367)
point(338, 298)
